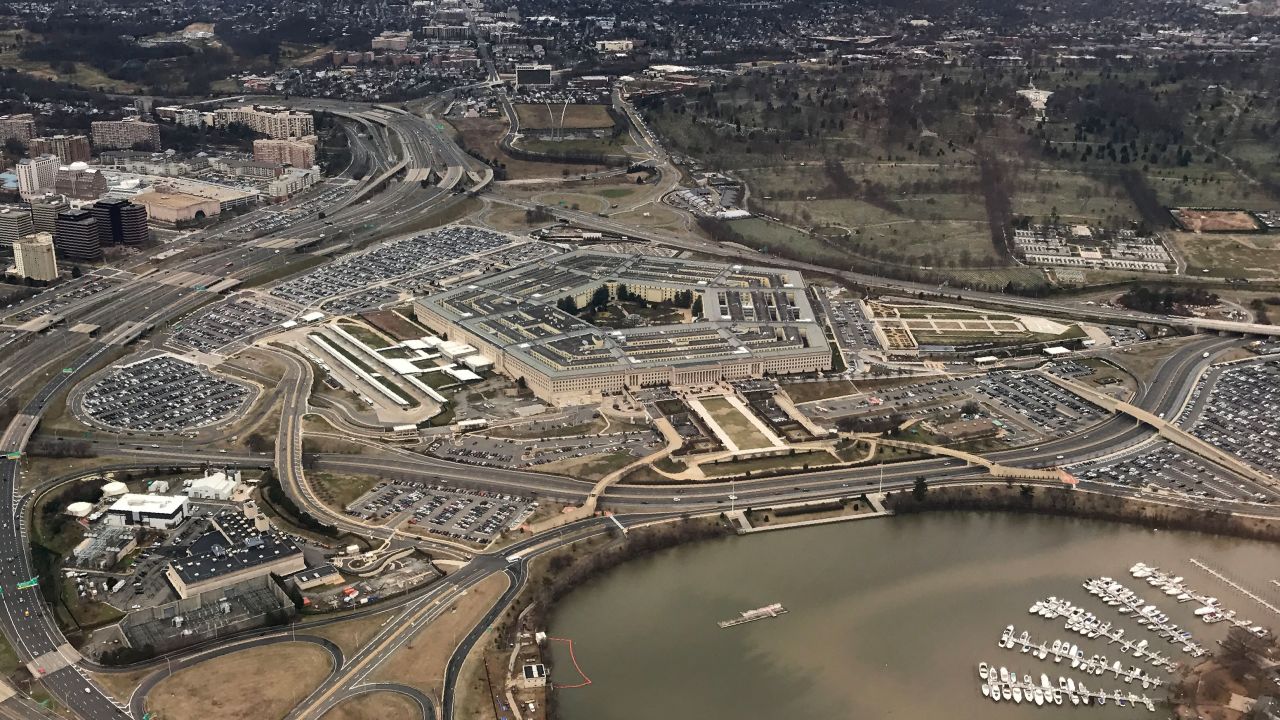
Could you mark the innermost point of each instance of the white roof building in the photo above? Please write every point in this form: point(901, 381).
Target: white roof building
point(158, 511)
point(214, 486)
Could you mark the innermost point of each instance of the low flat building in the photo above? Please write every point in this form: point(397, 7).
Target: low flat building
point(104, 545)
point(214, 486)
point(322, 576)
point(153, 511)
point(236, 549)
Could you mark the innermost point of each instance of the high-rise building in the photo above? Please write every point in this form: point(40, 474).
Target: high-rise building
point(298, 153)
point(44, 212)
point(15, 223)
point(81, 182)
point(120, 222)
point(125, 134)
point(37, 175)
point(20, 127)
point(68, 148)
point(34, 257)
point(273, 121)
point(76, 236)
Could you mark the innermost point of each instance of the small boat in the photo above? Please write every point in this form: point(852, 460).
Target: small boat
point(1071, 692)
point(1102, 697)
point(1017, 694)
point(1004, 674)
point(1044, 681)
point(1006, 693)
point(1119, 699)
point(995, 694)
point(1085, 696)
point(1038, 693)
point(1042, 652)
point(983, 670)
point(1151, 707)
point(986, 690)
point(1057, 697)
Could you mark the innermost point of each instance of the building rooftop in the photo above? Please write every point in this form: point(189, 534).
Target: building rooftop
point(232, 545)
point(154, 504)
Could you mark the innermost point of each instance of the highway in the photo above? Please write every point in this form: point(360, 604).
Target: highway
point(149, 299)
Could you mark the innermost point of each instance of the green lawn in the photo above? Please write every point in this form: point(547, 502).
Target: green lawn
point(736, 425)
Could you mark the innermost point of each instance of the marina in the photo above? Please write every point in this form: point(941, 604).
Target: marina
point(768, 611)
point(1004, 685)
point(1061, 651)
point(1085, 623)
point(1128, 603)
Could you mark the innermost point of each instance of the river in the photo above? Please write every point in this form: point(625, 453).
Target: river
point(888, 618)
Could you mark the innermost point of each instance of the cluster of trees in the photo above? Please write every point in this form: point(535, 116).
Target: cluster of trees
point(1166, 300)
point(62, 449)
point(276, 497)
point(190, 139)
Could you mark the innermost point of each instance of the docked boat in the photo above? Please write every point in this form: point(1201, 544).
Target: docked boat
point(1004, 674)
point(1038, 694)
point(1017, 694)
point(1006, 693)
point(1119, 699)
point(986, 690)
point(983, 670)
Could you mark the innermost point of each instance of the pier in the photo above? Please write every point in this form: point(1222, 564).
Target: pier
point(1085, 623)
point(1003, 684)
point(1116, 594)
point(1236, 586)
point(768, 611)
point(1092, 665)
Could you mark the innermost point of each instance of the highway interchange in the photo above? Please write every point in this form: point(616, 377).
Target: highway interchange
point(39, 368)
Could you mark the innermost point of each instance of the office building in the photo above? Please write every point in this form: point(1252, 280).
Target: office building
point(37, 175)
point(120, 222)
point(176, 209)
point(75, 236)
point(81, 182)
point(297, 153)
point(33, 255)
point(20, 127)
point(153, 511)
point(15, 223)
point(125, 134)
point(44, 212)
point(275, 122)
point(68, 148)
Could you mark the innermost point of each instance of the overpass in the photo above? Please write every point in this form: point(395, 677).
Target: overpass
point(1167, 430)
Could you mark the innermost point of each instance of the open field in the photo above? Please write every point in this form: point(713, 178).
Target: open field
point(351, 635)
point(420, 662)
point(268, 682)
point(568, 117)
point(803, 392)
point(591, 467)
point(1229, 255)
point(375, 706)
point(85, 75)
point(483, 136)
point(736, 425)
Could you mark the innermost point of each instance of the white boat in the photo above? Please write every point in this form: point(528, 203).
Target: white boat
point(1057, 697)
point(1071, 692)
point(1119, 699)
point(1038, 693)
point(1026, 680)
point(995, 694)
point(1017, 694)
point(1006, 693)
point(1206, 610)
point(1085, 696)
point(1042, 652)
point(1102, 697)
point(983, 670)
point(1151, 707)
point(1004, 674)
point(986, 690)
point(1076, 656)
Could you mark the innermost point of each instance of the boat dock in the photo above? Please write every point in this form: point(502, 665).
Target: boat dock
point(1087, 624)
point(1237, 586)
point(1006, 685)
point(768, 611)
point(1127, 602)
point(1062, 650)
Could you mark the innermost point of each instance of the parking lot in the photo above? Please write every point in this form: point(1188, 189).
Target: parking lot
point(852, 328)
point(389, 261)
point(162, 393)
point(1240, 414)
point(1036, 403)
point(473, 516)
point(1165, 466)
point(220, 325)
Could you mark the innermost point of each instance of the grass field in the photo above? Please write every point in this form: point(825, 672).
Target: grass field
point(798, 461)
point(809, 391)
point(341, 490)
point(483, 136)
point(1229, 255)
point(375, 706)
point(268, 682)
point(568, 117)
point(736, 425)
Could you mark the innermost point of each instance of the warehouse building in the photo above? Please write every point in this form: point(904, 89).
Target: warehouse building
point(236, 549)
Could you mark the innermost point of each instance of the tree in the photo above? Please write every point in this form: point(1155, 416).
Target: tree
point(920, 489)
point(257, 442)
point(75, 271)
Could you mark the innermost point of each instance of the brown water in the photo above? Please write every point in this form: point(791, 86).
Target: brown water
point(888, 618)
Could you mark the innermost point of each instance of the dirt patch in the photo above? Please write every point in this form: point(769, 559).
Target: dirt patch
point(376, 706)
point(1198, 220)
point(268, 681)
point(421, 661)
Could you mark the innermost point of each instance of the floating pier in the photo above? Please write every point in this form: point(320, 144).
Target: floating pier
point(1005, 685)
point(1061, 650)
point(1085, 623)
point(1237, 586)
point(768, 611)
